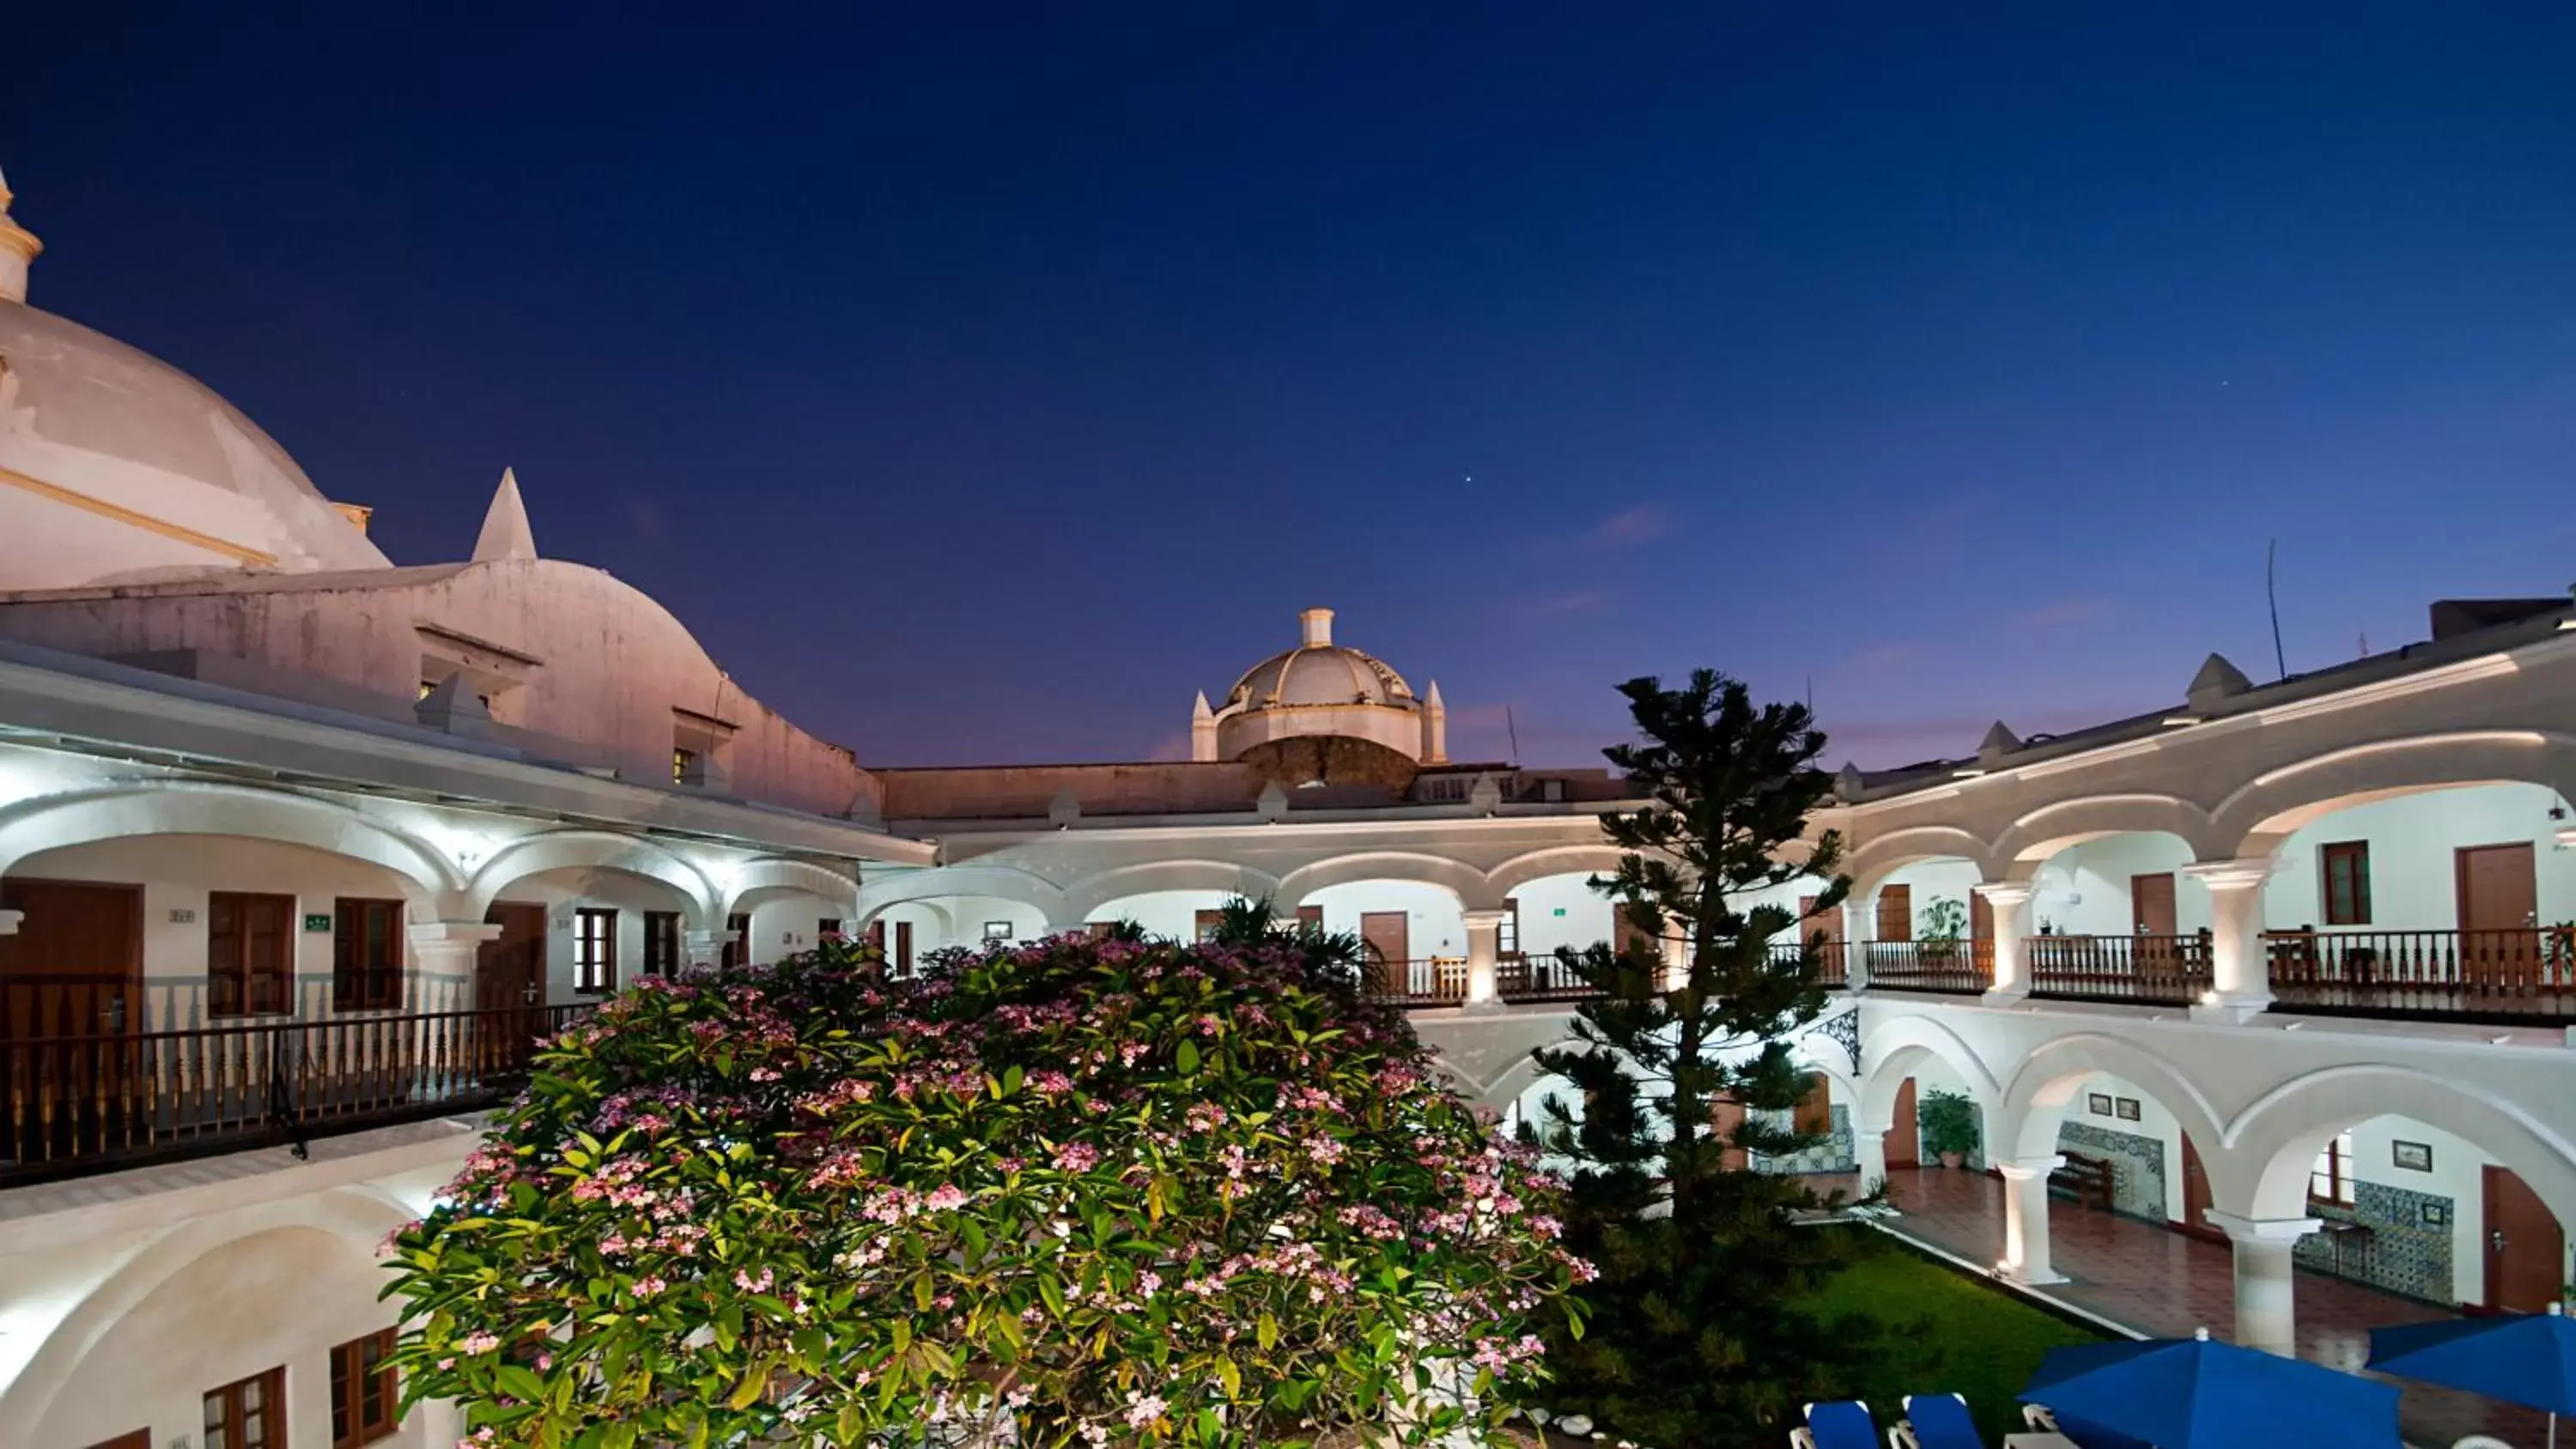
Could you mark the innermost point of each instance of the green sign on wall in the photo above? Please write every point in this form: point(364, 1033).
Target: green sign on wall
point(317, 923)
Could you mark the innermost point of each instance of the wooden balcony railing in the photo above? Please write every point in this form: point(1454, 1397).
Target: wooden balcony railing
point(2165, 970)
point(1832, 970)
point(1539, 978)
point(1958, 968)
point(2512, 975)
point(89, 1102)
point(1436, 981)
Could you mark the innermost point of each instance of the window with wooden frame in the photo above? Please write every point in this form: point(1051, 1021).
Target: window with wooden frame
point(594, 950)
point(2344, 868)
point(250, 954)
point(1507, 938)
point(248, 1413)
point(662, 943)
point(1896, 913)
point(365, 1401)
point(366, 955)
point(1311, 916)
point(2330, 1181)
point(1204, 925)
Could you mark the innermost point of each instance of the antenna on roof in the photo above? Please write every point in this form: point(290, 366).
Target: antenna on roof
point(1515, 731)
point(2272, 596)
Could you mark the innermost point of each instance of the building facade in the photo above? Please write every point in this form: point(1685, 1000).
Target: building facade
point(299, 850)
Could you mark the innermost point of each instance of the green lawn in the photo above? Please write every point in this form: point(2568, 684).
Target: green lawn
point(1964, 1336)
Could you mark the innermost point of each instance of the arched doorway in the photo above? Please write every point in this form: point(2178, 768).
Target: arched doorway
point(2118, 916)
point(1928, 929)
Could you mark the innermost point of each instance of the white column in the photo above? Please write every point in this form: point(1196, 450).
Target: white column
point(2239, 970)
point(1484, 958)
point(2011, 903)
point(1857, 927)
point(2025, 1257)
point(1869, 1152)
point(446, 951)
point(2266, 1317)
point(441, 1421)
point(706, 948)
point(9, 922)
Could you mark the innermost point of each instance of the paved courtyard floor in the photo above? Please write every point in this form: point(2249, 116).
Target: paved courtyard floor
point(2164, 1284)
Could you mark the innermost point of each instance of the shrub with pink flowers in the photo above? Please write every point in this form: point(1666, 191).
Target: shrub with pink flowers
point(1130, 1192)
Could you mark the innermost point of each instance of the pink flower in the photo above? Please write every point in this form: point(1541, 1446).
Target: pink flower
point(1077, 1157)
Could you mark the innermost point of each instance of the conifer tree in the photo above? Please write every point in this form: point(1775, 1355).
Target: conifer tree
point(1695, 1331)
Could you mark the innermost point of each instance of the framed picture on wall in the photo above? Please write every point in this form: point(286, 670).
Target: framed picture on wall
point(2413, 1156)
point(2128, 1108)
point(2436, 1215)
point(2098, 1103)
point(997, 930)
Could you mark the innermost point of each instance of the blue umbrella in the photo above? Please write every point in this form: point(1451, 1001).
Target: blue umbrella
point(2521, 1358)
point(2190, 1393)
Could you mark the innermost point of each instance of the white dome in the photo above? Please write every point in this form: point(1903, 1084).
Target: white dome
point(116, 464)
point(1318, 672)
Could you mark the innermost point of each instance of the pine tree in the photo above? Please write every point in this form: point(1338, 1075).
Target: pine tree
point(1696, 1334)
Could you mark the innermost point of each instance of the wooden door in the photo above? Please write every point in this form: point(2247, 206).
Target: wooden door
point(1386, 941)
point(1725, 1117)
point(2151, 904)
point(2526, 1251)
point(903, 948)
point(1628, 939)
point(2499, 899)
point(139, 1439)
point(2195, 1195)
point(510, 983)
point(1896, 913)
point(250, 954)
point(1981, 917)
point(1311, 916)
point(1203, 925)
point(1905, 1136)
point(1815, 1115)
point(75, 966)
point(1830, 926)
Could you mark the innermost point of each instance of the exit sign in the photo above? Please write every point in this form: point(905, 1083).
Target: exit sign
point(317, 923)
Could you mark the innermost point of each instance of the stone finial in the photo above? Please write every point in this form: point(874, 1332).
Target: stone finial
point(2215, 683)
point(1064, 809)
point(1999, 742)
point(1273, 804)
point(453, 708)
point(1485, 797)
point(506, 534)
point(1315, 628)
point(1202, 730)
point(1848, 782)
point(18, 249)
point(1435, 727)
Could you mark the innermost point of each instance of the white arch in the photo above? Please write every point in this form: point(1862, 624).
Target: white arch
point(1092, 892)
point(354, 1214)
point(776, 873)
point(594, 850)
point(1874, 861)
point(1524, 1073)
point(1892, 1046)
point(2040, 835)
point(2276, 1140)
point(2257, 816)
point(1520, 870)
point(999, 882)
point(187, 808)
point(2048, 1078)
point(1465, 882)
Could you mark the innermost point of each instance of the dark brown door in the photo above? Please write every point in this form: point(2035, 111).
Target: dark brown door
point(1830, 926)
point(2499, 913)
point(2151, 904)
point(1630, 939)
point(1725, 1119)
point(250, 954)
point(2195, 1195)
point(1311, 916)
point(903, 948)
point(1905, 1135)
point(1203, 924)
point(510, 983)
point(1981, 917)
point(1385, 940)
point(139, 1439)
point(1815, 1115)
point(2526, 1251)
point(1896, 913)
point(75, 966)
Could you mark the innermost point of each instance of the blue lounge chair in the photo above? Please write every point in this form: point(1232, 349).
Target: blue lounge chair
point(1842, 1425)
point(1936, 1421)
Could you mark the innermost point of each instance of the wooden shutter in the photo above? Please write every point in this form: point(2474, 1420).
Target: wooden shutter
point(1896, 913)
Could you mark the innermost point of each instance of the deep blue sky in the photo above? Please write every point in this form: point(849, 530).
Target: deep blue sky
point(978, 381)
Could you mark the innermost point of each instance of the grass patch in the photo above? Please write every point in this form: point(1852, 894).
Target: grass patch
point(1950, 1333)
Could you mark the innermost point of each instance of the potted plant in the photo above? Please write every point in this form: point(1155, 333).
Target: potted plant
point(1944, 922)
point(1949, 1121)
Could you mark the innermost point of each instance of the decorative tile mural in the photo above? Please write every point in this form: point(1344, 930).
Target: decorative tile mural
point(2137, 1166)
point(2399, 1254)
point(1834, 1154)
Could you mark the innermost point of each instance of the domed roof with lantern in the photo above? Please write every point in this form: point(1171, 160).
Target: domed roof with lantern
point(1319, 672)
point(1323, 713)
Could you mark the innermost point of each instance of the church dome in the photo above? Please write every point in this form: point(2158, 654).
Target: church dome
point(125, 466)
point(1319, 672)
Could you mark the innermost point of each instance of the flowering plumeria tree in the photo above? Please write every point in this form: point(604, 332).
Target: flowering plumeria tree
point(1132, 1192)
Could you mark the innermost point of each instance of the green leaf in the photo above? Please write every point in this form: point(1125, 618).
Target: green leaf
point(1230, 1376)
point(520, 1382)
point(1267, 1331)
point(1187, 1057)
point(753, 1385)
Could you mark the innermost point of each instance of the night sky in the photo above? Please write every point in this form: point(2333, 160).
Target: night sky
point(979, 382)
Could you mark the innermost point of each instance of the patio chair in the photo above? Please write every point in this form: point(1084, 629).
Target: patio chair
point(1844, 1424)
point(2086, 1436)
point(1935, 1421)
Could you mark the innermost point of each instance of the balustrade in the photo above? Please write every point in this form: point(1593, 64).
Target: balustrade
point(2522, 974)
point(2166, 970)
point(1959, 968)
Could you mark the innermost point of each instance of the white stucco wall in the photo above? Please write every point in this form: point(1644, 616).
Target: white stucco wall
point(2413, 838)
point(1562, 910)
point(1436, 924)
point(2084, 890)
point(1940, 878)
point(1171, 915)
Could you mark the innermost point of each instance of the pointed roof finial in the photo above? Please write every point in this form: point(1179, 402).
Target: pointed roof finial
point(1433, 700)
point(1200, 710)
point(18, 248)
point(1999, 742)
point(506, 534)
point(2216, 682)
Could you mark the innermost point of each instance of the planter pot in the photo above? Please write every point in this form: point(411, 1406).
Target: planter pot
point(1952, 1159)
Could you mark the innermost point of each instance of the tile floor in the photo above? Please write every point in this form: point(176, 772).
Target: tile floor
point(2164, 1284)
